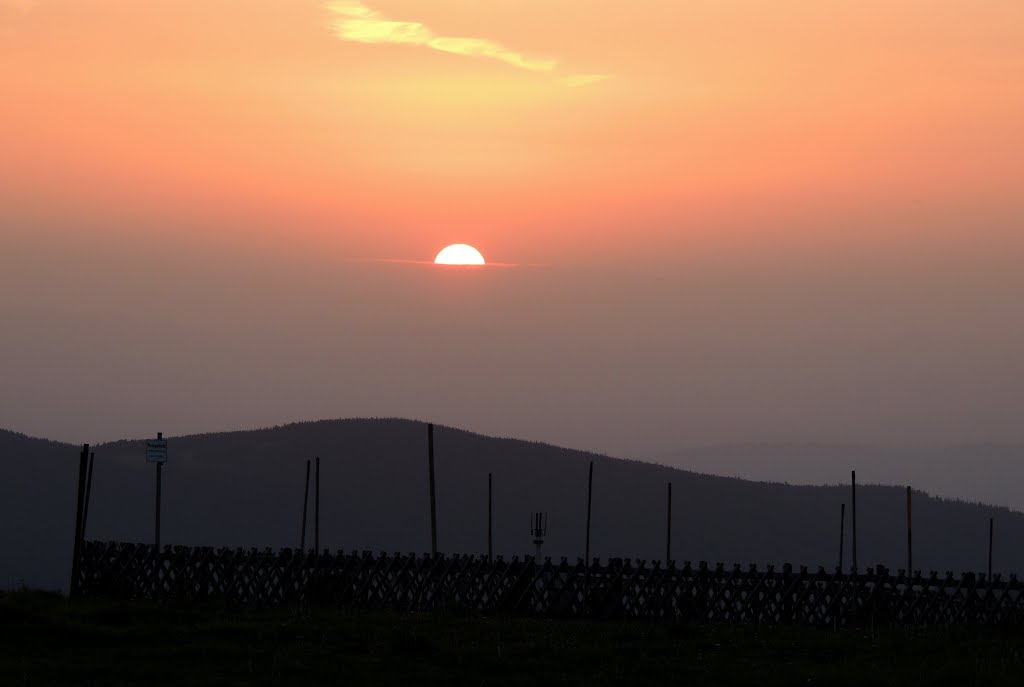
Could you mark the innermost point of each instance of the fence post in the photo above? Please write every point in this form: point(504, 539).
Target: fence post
point(842, 527)
point(433, 503)
point(991, 527)
point(490, 519)
point(590, 493)
point(668, 528)
point(305, 509)
point(88, 492)
point(586, 550)
point(76, 550)
point(316, 510)
point(910, 540)
point(853, 496)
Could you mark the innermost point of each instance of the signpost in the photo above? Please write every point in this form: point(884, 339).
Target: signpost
point(156, 452)
point(156, 449)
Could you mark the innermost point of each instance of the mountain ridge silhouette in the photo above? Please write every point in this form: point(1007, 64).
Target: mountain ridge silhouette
point(244, 488)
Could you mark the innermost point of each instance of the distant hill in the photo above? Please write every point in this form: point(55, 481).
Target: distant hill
point(991, 473)
point(245, 489)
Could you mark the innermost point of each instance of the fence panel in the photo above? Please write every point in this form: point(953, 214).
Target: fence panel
point(616, 589)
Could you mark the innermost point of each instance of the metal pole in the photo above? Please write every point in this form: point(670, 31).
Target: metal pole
point(316, 511)
point(490, 519)
point(853, 482)
point(668, 528)
point(156, 535)
point(842, 526)
point(433, 502)
point(76, 551)
point(590, 493)
point(305, 509)
point(159, 474)
point(910, 538)
point(991, 527)
point(586, 555)
point(88, 492)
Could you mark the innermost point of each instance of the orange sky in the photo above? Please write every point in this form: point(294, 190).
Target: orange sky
point(260, 114)
point(782, 180)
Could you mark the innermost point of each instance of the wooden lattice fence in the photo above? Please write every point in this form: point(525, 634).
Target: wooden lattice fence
point(617, 589)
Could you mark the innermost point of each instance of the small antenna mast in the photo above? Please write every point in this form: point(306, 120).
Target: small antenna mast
point(538, 530)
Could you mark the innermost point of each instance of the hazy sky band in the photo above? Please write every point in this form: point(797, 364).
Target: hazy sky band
point(772, 221)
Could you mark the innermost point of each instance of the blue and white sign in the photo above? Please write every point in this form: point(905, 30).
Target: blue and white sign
point(156, 450)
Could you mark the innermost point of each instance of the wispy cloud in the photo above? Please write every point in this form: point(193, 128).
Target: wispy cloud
point(479, 47)
point(577, 80)
point(354, 21)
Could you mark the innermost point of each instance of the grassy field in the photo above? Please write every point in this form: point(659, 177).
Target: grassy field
point(46, 640)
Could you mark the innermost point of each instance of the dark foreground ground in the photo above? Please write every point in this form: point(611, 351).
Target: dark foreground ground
point(46, 640)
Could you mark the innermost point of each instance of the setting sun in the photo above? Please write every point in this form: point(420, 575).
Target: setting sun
point(459, 254)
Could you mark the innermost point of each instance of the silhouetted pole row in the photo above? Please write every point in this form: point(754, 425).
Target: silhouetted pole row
point(83, 468)
point(87, 463)
point(305, 509)
point(159, 474)
point(991, 527)
point(490, 519)
point(433, 502)
point(316, 510)
point(910, 537)
point(842, 525)
point(668, 528)
point(88, 493)
point(853, 499)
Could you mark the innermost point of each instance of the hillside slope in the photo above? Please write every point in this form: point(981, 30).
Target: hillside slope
point(990, 473)
point(245, 489)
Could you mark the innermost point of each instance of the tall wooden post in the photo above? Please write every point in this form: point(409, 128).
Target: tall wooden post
point(586, 550)
point(88, 493)
point(853, 497)
point(490, 519)
point(76, 550)
point(305, 509)
point(842, 528)
point(991, 527)
point(433, 502)
point(159, 475)
point(910, 538)
point(668, 528)
point(316, 510)
point(590, 494)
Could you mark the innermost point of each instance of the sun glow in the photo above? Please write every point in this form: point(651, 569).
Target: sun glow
point(459, 254)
